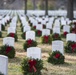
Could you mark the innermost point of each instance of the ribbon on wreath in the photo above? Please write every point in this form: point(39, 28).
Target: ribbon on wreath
point(32, 64)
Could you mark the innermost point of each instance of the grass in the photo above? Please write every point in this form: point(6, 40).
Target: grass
point(14, 65)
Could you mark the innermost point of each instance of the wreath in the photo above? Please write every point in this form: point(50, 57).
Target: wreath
point(14, 35)
point(46, 39)
point(56, 58)
point(73, 30)
point(70, 47)
point(3, 27)
point(31, 66)
point(0, 34)
point(38, 33)
point(56, 36)
point(23, 35)
point(64, 34)
point(44, 26)
point(33, 28)
point(29, 43)
point(7, 51)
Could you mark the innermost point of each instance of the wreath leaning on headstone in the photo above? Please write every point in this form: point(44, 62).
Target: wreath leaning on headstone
point(31, 66)
point(56, 58)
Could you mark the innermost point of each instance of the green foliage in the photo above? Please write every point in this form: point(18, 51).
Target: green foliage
point(2, 27)
point(29, 43)
point(23, 35)
point(7, 51)
point(46, 39)
point(70, 47)
point(56, 58)
point(0, 34)
point(25, 67)
point(56, 36)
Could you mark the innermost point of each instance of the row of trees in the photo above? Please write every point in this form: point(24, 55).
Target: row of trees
point(70, 5)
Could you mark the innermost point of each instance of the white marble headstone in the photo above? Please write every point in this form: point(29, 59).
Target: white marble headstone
point(4, 64)
point(71, 37)
point(39, 27)
point(58, 45)
point(30, 35)
point(45, 32)
point(56, 30)
point(11, 30)
point(66, 28)
point(8, 41)
point(34, 52)
point(49, 25)
point(26, 28)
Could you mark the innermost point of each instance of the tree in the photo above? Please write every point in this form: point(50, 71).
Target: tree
point(25, 6)
point(70, 4)
point(46, 7)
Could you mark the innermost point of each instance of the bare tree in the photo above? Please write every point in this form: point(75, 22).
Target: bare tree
point(70, 4)
point(25, 6)
point(46, 7)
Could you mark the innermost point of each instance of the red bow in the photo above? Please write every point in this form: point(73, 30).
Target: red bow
point(57, 55)
point(32, 64)
point(73, 47)
point(65, 33)
point(46, 38)
point(39, 32)
point(29, 42)
point(12, 34)
point(8, 49)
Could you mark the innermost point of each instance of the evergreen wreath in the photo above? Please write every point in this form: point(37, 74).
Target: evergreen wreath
point(3, 27)
point(23, 35)
point(14, 35)
point(7, 51)
point(0, 34)
point(64, 34)
point(29, 43)
point(70, 47)
point(56, 36)
point(38, 33)
point(31, 66)
point(46, 39)
point(56, 58)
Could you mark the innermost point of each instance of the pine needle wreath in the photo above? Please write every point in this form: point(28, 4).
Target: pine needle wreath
point(2, 27)
point(23, 35)
point(56, 58)
point(29, 43)
point(46, 39)
point(14, 35)
point(56, 36)
point(64, 34)
point(31, 66)
point(7, 51)
point(0, 34)
point(33, 28)
point(70, 47)
point(38, 33)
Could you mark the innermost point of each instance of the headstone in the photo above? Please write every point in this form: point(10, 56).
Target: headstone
point(58, 45)
point(71, 37)
point(4, 64)
point(26, 28)
point(66, 28)
point(56, 30)
point(30, 35)
point(34, 52)
point(49, 25)
point(45, 32)
point(11, 30)
point(8, 41)
point(39, 27)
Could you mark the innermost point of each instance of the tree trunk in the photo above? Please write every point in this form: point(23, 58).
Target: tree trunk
point(70, 4)
point(34, 4)
point(25, 7)
point(46, 7)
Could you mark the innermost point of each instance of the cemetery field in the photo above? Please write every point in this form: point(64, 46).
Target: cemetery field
point(14, 65)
